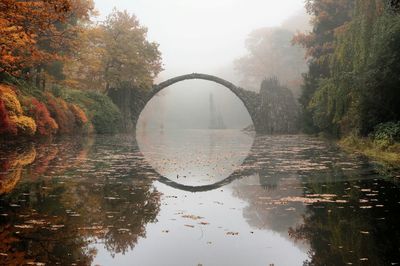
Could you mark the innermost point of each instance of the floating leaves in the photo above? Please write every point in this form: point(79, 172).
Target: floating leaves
point(192, 217)
point(189, 225)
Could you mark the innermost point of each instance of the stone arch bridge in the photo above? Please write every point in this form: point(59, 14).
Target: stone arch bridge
point(136, 100)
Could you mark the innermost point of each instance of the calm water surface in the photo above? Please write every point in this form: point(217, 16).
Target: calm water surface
point(195, 197)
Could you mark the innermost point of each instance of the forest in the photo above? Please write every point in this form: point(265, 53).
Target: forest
point(57, 66)
point(352, 86)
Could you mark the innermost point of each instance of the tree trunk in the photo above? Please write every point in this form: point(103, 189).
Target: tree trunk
point(123, 99)
point(37, 78)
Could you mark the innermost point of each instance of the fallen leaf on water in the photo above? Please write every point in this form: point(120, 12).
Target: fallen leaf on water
point(38, 222)
point(25, 226)
point(193, 217)
point(98, 227)
point(189, 225)
point(204, 223)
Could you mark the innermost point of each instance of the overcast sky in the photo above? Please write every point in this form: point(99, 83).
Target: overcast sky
point(202, 35)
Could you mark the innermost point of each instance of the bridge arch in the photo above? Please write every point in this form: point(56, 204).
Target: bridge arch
point(248, 98)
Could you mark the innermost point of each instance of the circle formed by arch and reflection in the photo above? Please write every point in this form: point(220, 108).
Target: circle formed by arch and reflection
point(185, 154)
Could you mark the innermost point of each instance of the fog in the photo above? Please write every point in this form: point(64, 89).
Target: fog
point(205, 37)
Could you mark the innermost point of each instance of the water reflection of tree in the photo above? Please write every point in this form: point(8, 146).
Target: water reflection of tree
point(361, 225)
point(265, 209)
point(58, 209)
point(358, 226)
point(271, 171)
point(118, 211)
point(363, 228)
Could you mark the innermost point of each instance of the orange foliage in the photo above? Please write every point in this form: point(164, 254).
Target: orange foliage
point(46, 125)
point(60, 112)
point(69, 117)
point(80, 116)
point(26, 25)
point(6, 127)
point(327, 17)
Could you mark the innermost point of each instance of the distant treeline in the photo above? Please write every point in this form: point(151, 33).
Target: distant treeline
point(353, 82)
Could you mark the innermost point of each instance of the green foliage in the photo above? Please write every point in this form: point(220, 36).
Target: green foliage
point(100, 110)
point(386, 134)
point(104, 115)
point(359, 89)
point(57, 91)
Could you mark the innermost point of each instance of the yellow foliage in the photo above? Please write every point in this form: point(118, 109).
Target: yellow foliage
point(9, 97)
point(25, 125)
point(10, 181)
point(15, 162)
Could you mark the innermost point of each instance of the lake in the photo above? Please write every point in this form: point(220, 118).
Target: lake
point(195, 197)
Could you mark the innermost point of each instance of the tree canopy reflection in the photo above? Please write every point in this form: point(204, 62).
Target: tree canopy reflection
point(58, 210)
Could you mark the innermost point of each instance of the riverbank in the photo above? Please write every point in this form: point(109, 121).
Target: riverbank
point(388, 156)
point(27, 112)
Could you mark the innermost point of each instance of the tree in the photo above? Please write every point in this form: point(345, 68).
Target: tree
point(327, 18)
point(366, 69)
point(116, 54)
point(35, 34)
point(271, 54)
point(130, 57)
point(87, 70)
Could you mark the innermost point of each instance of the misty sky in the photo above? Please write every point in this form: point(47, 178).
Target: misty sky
point(202, 36)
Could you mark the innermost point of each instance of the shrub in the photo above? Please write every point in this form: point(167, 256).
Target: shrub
point(9, 97)
point(80, 116)
point(386, 134)
point(26, 126)
point(13, 121)
point(62, 114)
point(6, 127)
point(103, 113)
point(46, 125)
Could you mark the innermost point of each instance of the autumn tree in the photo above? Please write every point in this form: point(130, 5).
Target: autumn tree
point(36, 34)
point(116, 53)
point(131, 57)
point(87, 70)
